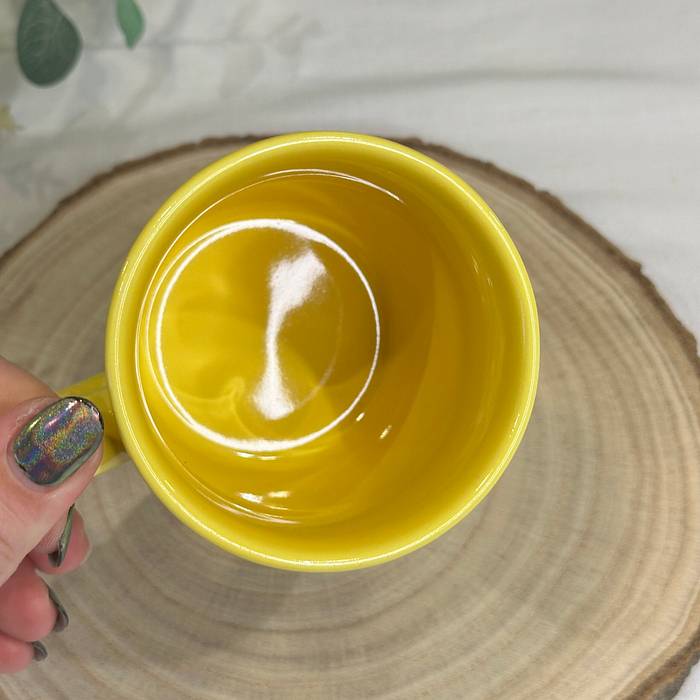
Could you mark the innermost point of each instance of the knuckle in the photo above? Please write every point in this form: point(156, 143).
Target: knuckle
point(9, 559)
point(38, 614)
point(14, 656)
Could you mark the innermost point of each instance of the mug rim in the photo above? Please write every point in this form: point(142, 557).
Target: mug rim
point(409, 160)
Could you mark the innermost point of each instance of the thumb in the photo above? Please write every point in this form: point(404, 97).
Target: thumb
point(49, 451)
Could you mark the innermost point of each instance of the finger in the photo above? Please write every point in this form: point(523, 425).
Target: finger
point(18, 385)
point(75, 554)
point(16, 655)
point(55, 541)
point(26, 611)
point(49, 451)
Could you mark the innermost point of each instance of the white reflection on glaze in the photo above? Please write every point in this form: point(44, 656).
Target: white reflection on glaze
point(292, 282)
point(252, 497)
point(271, 393)
point(278, 494)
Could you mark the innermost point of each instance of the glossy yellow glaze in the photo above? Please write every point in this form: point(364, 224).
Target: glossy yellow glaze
point(95, 389)
point(322, 351)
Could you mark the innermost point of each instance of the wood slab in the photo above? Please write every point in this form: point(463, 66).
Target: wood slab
point(578, 577)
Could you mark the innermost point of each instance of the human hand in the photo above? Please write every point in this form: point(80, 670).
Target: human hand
point(49, 450)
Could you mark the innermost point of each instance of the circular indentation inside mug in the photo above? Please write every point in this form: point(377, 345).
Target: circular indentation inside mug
point(266, 334)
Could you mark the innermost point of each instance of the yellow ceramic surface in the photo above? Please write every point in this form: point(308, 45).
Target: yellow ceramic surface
point(322, 352)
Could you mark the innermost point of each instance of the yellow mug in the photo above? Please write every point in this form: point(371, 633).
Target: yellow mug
point(439, 323)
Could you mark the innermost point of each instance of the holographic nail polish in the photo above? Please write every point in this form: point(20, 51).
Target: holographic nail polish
point(62, 619)
point(58, 440)
point(40, 651)
point(56, 558)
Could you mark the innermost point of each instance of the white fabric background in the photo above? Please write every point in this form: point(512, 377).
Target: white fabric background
point(597, 101)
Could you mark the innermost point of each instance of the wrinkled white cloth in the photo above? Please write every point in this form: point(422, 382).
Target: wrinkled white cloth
point(596, 101)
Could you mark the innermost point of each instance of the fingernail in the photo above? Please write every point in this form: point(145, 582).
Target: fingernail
point(62, 619)
point(56, 558)
point(89, 549)
point(58, 440)
point(40, 651)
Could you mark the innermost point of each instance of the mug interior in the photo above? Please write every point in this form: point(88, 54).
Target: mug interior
point(470, 396)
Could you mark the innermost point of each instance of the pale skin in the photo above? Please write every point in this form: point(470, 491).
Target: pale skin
point(32, 518)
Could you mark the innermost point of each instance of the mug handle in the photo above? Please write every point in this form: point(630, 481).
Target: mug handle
point(95, 389)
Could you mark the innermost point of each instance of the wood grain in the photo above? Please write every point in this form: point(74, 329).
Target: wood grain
point(577, 577)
